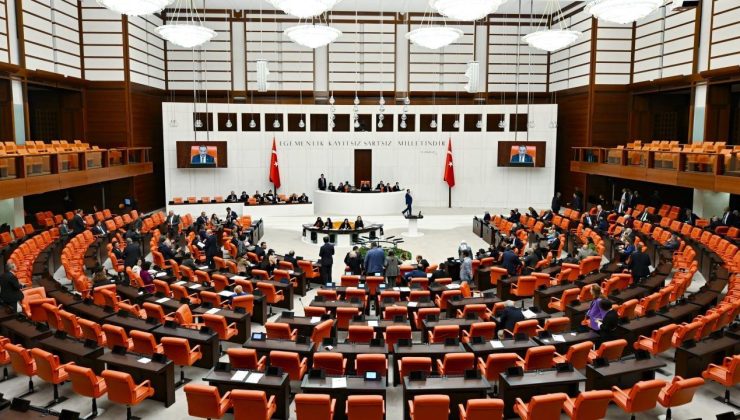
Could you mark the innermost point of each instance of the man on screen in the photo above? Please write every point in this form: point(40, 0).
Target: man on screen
point(203, 157)
point(522, 156)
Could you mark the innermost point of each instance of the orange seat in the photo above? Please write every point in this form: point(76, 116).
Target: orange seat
point(685, 332)
point(609, 350)
point(205, 401)
point(314, 406)
point(487, 330)
point(538, 358)
point(589, 405)
point(116, 336)
point(566, 298)
point(577, 355)
point(253, 405)
point(679, 392)
point(413, 364)
point(178, 350)
point(245, 301)
point(86, 383)
point(480, 310)
point(557, 325)
point(524, 287)
point(218, 324)
point(333, 364)
point(659, 341)
point(371, 363)
point(360, 334)
point(23, 363)
point(365, 407)
point(541, 407)
point(482, 409)
point(442, 332)
point(456, 363)
point(185, 318)
point(50, 370)
point(272, 296)
point(393, 333)
point(726, 375)
point(290, 362)
point(643, 396)
point(321, 331)
point(422, 314)
point(345, 315)
point(530, 327)
point(123, 390)
point(92, 331)
point(429, 407)
point(145, 343)
point(496, 363)
point(70, 324)
point(241, 358)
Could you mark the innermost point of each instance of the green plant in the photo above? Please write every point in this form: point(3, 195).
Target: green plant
point(401, 254)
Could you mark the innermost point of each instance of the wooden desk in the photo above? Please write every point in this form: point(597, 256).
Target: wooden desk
point(208, 342)
point(130, 293)
point(130, 323)
point(305, 324)
point(542, 296)
point(629, 293)
point(332, 305)
point(379, 325)
point(681, 313)
point(243, 324)
point(692, 361)
point(632, 330)
point(24, 333)
point(162, 375)
point(622, 373)
point(265, 347)
point(459, 389)
point(577, 313)
point(482, 278)
point(31, 414)
point(71, 350)
point(537, 383)
point(63, 297)
point(653, 283)
point(704, 298)
point(168, 306)
point(509, 346)
point(411, 306)
point(355, 386)
point(351, 350)
point(279, 386)
point(454, 305)
point(436, 351)
point(89, 311)
point(429, 325)
point(592, 278)
point(571, 338)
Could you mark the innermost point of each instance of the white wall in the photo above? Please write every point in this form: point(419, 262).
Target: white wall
point(303, 156)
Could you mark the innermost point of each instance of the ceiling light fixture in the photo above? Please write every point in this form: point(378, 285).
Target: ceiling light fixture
point(135, 7)
point(188, 30)
point(622, 11)
point(304, 8)
point(466, 10)
point(312, 36)
point(434, 37)
point(547, 38)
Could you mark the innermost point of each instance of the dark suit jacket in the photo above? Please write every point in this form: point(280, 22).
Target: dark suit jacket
point(166, 252)
point(510, 262)
point(131, 254)
point(77, 224)
point(509, 317)
point(608, 329)
point(409, 199)
point(196, 160)
point(322, 184)
point(211, 247)
point(326, 255)
point(639, 264)
point(173, 220)
point(555, 205)
point(291, 260)
point(10, 289)
point(527, 159)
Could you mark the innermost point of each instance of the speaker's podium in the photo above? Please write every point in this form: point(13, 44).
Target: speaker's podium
point(413, 229)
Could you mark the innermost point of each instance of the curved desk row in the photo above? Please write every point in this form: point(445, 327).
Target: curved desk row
point(363, 203)
point(346, 237)
point(257, 212)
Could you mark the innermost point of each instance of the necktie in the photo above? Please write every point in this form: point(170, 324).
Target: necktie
point(202, 159)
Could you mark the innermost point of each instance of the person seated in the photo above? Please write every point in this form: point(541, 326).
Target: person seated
point(508, 318)
point(396, 187)
point(533, 213)
point(269, 263)
point(332, 188)
point(347, 186)
point(513, 216)
point(365, 187)
point(626, 250)
point(290, 257)
point(318, 223)
point(345, 225)
point(238, 291)
point(422, 262)
point(380, 187)
point(244, 197)
point(486, 217)
point(340, 187)
point(532, 257)
point(293, 198)
point(418, 271)
point(269, 197)
point(359, 224)
point(303, 198)
point(257, 196)
point(329, 224)
point(688, 217)
point(547, 217)
point(231, 198)
point(586, 251)
point(215, 221)
point(440, 272)
point(510, 261)
point(167, 252)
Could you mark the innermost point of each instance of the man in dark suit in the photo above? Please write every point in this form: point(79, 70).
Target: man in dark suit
point(689, 217)
point(555, 205)
point(99, 229)
point(77, 223)
point(132, 253)
point(203, 158)
point(322, 183)
point(211, 247)
point(201, 221)
point(260, 250)
point(577, 202)
point(231, 216)
point(639, 265)
point(290, 257)
point(608, 327)
point(167, 252)
point(10, 288)
point(232, 198)
point(440, 272)
point(173, 222)
point(522, 156)
point(728, 218)
point(409, 200)
point(326, 260)
point(510, 261)
point(509, 317)
point(621, 207)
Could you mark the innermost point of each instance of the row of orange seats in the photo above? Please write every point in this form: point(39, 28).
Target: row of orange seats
point(24, 257)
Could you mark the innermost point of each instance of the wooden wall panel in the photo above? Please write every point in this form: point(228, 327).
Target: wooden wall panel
point(4, 42)
point(609, 121)
point(6, 111)
point(723, 51)
point(572, 132)
point(146, 106)
point(107, 122)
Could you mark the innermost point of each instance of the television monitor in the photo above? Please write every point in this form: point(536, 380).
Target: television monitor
point(522, 154)
point(203, 155)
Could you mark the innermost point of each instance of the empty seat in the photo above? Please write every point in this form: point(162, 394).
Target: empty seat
point(482, 409)
point(643, 396)
point(365, 407)
point(252, 404)
point(429, 407)
point(123, 390)
point(314, 406)
point(205, 401)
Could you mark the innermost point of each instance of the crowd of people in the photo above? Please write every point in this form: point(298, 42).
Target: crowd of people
point(328, 224)
point(268, 197)
point(364, 186)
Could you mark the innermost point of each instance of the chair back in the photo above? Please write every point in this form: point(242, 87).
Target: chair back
point(443, 332)
point(365, 407)
point(539, 357)
point(84, 381)
point(92, 331)
point(322, 331)
point(250, 404)
point(47, 366)
point(241, 358)
point(121, 387)
point(116, 336)
point(483, 329)
point(313, 406)
point(458, 363)
point(331, 363)
point(244, 301)
point(612, 350)
point(143, 342)
point(413, 364)
point(497, 363)
point(578, 354)
point(591, 405)
point(371, 363)
point(546, 406)
point(204, 401)
point(431, 406)
point(177, 349)
point(288, 361)
point(680, 391)
point(360, 334)
point(644, 395)
point(528, 327)
point(484, 409)
point(557, 325)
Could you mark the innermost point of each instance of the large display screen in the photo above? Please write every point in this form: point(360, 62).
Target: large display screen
point(526, 154)
point(206, 154)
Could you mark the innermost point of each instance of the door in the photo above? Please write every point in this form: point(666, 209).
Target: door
point(363, 166)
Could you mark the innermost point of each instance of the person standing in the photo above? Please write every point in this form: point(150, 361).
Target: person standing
point(10, 288)
point(322, 183)
point(374, 260)
point(326, 260)
point(211, 247)
point(407, 211)
point(466, 268)
point(392, 271)
point(555, 205)
point(132, 253)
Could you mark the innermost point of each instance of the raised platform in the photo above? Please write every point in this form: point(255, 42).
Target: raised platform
point(259, 212)
point(342, 238)
point(327, 203)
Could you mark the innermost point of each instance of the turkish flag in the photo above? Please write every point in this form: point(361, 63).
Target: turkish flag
point(274, 167)
point(449, 167)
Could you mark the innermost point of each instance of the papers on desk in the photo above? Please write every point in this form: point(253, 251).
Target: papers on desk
point(180, 283)
point(144, 360)
point(453, 286)
point(291, 272)
point(574, 334)
point(240, 375)
point(558, 337)
point(496, 344)
point(195, 286)
point(528, 314)
point(339, 382)
point(254, 378)
point(203, 267)
point(162, 274)
point(413, 304)
point(213, 311)
point(238, 277)
point(429, 275)
point(162, 300)
point(201, 245)
point(226, 293)
point(404, 289)
point(371, 324)
point(152, 272)
point(315, 319)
